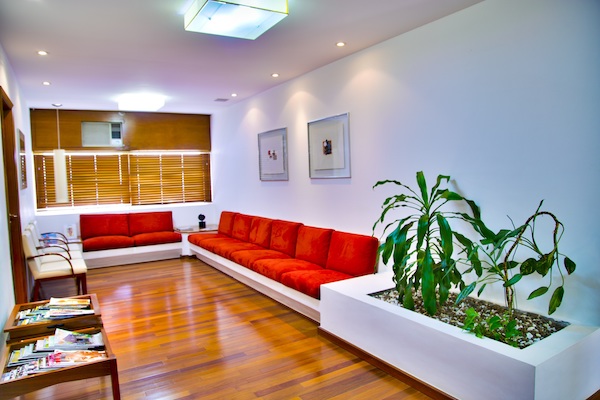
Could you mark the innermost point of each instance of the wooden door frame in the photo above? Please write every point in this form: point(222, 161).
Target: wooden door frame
point(12, 188)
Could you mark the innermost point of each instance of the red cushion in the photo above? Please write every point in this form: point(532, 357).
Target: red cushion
point(226, 222)
point(212, 244)
point(196, 238)
point(352, 254)
point(274, 268)
point(107, 242)
point(94, 225)
point(241, 227)
point(145, 239)
point(150, 222)
point(283, 236)
point(260, 231)
point(313, 244)
point(248, 257)
point(309, 282)
point(225, 249)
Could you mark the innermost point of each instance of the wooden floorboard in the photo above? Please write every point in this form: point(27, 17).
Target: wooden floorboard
point(183, 330)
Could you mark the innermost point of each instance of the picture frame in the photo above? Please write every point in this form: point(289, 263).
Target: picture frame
point(272, 155)
point(329, 147)
point(71, 231)
point(22, 160)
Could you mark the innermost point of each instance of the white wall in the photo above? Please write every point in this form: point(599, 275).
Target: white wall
point(502, 96)
point(21, 122)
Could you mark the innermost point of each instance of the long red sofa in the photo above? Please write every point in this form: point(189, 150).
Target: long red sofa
point(292, 254)
point(110, 239)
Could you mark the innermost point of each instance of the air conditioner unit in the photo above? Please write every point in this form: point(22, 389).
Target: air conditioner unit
point(101, 134)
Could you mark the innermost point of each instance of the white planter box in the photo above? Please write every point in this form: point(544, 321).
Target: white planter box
point(565, 365)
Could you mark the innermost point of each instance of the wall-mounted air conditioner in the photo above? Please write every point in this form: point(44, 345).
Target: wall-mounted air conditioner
point(101, 134)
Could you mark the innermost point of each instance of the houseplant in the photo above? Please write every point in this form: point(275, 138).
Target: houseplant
point(421, 245)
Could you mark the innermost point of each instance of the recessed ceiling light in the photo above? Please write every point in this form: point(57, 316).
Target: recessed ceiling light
point(275, 75)
point(42, 53)
point(57, 104)
point(340, 44)
point(233, 94)
point(46, 83)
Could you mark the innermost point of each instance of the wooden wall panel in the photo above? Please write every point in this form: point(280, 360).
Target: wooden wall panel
point(141, 130)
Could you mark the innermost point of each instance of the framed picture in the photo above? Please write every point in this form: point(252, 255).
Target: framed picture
point(329, 147)
point(272, 155)
point(22, 160)
point(71, 231)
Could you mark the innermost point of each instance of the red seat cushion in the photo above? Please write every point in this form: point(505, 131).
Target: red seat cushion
point(196, 238)
point(313, 244)
point(352, 254)
point(145, 239)
point(275, 268)
point(248, 257)
point(283, 236)
point(225, 249)
point(94, 225)
point(309, 282)
point(107, 242)
point(150, 222)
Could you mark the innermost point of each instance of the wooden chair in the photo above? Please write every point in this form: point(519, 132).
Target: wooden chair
point(53, 266)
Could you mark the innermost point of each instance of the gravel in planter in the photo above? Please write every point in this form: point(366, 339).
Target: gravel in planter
point(535, 327)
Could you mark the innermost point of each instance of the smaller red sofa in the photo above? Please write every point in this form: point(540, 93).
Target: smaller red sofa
point(292, 254)
point(133, 233)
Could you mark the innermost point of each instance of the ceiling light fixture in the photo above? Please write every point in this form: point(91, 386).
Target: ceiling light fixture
point(141, 102)
point(42, 53)
point(275, 75)
point(244, 19)
point(340, 44)
point(233, 94)
point(46, 83)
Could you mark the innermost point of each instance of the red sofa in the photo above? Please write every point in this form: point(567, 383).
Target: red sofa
point(114, 238)
point(292, 254)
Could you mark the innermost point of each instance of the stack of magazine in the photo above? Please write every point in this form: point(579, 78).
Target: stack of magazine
point(56, 308)
point(63, 349)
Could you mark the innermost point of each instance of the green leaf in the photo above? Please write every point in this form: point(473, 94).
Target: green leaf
point(445, 236)
point(544, 264)
point(516, 278)
point(538, 292)
point(409, 302)
point(451, 196)
point(481, 289)
point(465, 293)
point(528, 266)
point(556, 299)
point(422, 229)
point(569, 265)
point(386, 249)
point(423, 187)
point(428, 284)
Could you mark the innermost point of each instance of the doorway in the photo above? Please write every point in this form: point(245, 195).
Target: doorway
point(12, 188)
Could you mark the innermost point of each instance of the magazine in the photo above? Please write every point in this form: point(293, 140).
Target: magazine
point(67, 302)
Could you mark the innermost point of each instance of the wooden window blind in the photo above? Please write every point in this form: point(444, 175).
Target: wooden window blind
point(126, 178)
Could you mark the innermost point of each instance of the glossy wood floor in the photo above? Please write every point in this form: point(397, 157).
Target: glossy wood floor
point(182, 330)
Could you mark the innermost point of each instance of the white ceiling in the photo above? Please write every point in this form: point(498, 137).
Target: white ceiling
point(99, 49)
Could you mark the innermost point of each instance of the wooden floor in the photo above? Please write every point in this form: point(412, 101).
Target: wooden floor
point(182, 330)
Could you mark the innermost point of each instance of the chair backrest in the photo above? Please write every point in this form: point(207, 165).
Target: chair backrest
point(32, 228)
point(30, 250)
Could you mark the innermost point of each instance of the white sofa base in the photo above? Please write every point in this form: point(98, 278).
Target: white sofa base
point(563, 366)
point(131, 255)
point(289, 297)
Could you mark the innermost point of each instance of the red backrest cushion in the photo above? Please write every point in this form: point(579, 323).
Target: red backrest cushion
point(283, 236)
point(226, 222)
point(241, 227)
point(150, 222)
point(313, 244)
point(260, 231)
point(94, 225)
point(352, 254)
